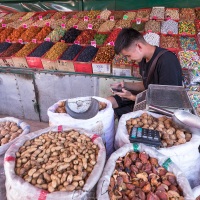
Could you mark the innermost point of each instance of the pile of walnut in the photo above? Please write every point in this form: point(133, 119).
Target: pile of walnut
point(61, 107)
point(138, 176)
point(8, 132)
point(57, 161)
point(169, 134)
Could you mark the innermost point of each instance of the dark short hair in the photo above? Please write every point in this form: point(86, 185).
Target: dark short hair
point(126, 38)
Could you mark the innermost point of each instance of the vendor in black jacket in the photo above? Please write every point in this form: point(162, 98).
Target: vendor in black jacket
point(165, 70)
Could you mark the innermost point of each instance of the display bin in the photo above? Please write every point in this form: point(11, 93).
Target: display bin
point(101, 68)
point(34, 62)
point(83, 67)
point(20, 62)
point(6, 62)
point(65, 65)
point(49, 64)
point(144, 18)
point(122, 70)
point(168, 17)
point(173, 49)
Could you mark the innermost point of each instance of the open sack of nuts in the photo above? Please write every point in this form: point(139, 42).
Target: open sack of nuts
point(10, 130)
point(141, 172)
point(180, 146)
point(54, 163)
point(102, 124)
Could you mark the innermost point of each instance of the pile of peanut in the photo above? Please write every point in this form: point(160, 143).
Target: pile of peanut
point(57, 161)
point(170, 135)
point(8, 132)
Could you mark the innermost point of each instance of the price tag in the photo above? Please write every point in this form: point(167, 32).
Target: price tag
point(93, 43)
point(111, 43)
point(98, 17)
point(170, 32)
point(20, 19)
point(74, 16)
point(4, 25)
point(20, 41)
point(25, 25)
point(154, 17)
point(48, 24)
point(138, 21)
point(40, 17)
point(112, 18)
point(64, 17)
point(90, 26)
point(168, 18)
point(34, 40)
point(86, 18)
point(77, 42)
point(125, 17)
point(75, 26)
point(47, 39)
point(63, 25)
point(101, 68)
point(7, 40)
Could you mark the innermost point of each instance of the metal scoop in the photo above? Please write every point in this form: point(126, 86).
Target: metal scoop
point(181, 118)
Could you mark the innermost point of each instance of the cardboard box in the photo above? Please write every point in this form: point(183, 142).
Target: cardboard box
point(20, 62)
point(65, 65)
point(34, 62)
point(49, 64)
point(6, 62)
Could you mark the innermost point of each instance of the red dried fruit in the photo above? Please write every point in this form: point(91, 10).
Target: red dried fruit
point(173, 188)
point(138, 165)
point(162, 195)
point(166, 182)
point(152, 196)
point(131, 194)
point(162, 187)
point(141, 195)
point(154, 161)
point(143, 157)
point(130, 186)
point(119, 180)
point(133, 156)
point(162, 171)
point(146, 188)
point(147, 168)
point(134, 169)
point(171, 178)
point(127, 161)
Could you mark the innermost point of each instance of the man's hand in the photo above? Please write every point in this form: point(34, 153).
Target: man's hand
point(126, 94)
point(118, 85)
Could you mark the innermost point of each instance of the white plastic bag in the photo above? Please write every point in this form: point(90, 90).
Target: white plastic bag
point(104, 181)
point(102, 124)
point(18, 189)
point(2, 179)
point(183, 155)
point(196, 191)
point(24, 126)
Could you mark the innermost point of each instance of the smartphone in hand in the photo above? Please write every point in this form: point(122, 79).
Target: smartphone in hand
point(116, 89)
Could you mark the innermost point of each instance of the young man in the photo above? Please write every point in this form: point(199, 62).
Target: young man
point(157, 66)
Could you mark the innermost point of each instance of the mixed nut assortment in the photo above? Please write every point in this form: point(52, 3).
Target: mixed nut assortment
point(139, 176)
point(8, 132)
point(153, 26)
point(57, 161)
point(157, 13)
point(170, 135)
point(61, 107)
point(105, 54)
point(169, 41)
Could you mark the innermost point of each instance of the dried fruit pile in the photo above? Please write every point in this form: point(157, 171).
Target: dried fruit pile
point(57, 161)
point(71, 35)
point(8, 132)
point(4, 46)
point(87, 54)
point(138, 176)
point(27, 49)
point(14, 48)
point(71, 52)
point(170, 135)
